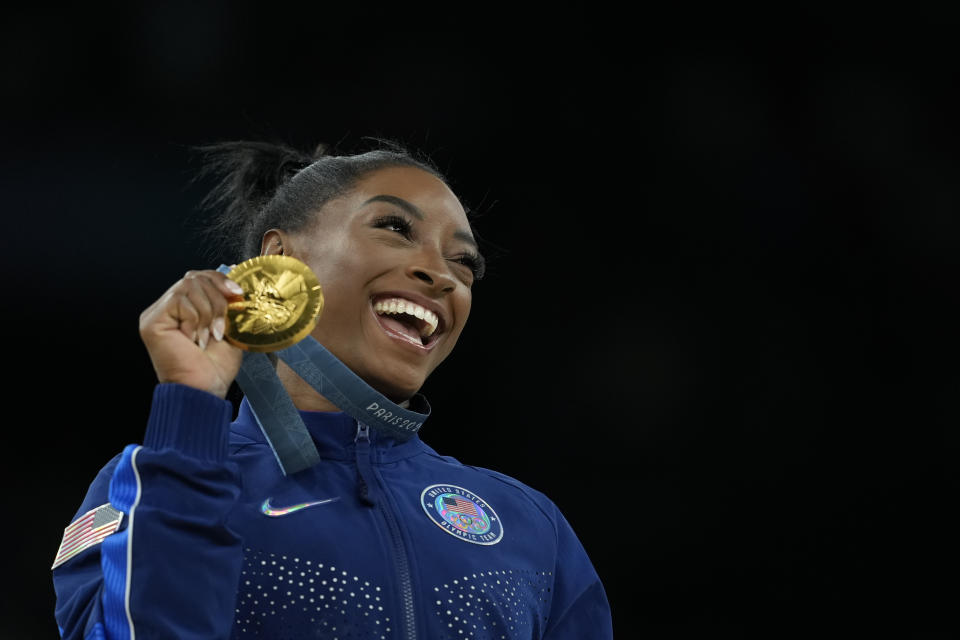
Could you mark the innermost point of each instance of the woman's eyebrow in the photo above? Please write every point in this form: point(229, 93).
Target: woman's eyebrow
point(400, 202)
point(412, 209)
point(467, 237)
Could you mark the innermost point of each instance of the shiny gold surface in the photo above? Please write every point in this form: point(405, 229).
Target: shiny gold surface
point(281, 303)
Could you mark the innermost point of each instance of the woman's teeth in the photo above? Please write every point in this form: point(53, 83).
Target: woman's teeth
point(394, 306)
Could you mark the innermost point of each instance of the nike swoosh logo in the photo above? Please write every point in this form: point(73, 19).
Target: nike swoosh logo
point(268, 509)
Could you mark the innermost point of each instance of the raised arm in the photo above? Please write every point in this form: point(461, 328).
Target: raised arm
point(170, 568)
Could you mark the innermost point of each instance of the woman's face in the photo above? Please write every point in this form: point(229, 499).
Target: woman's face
point(394, 257)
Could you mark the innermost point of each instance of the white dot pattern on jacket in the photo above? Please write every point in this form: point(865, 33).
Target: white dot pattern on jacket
point(494, 605)
point(283, 596)
point(278, 595)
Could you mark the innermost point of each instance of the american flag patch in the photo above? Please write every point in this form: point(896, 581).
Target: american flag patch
point(89, 529)
point(461, 506)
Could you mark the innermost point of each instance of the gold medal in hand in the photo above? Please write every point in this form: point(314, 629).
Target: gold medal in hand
point(282, 301)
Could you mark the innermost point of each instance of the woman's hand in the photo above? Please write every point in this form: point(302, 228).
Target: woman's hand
point(183, 333)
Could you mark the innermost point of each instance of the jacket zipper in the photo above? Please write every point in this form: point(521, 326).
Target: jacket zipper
point(369, 490)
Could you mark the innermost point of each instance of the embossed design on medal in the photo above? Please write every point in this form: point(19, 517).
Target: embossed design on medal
point(281, 303)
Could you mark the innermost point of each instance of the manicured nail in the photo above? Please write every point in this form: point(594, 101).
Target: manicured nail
point(218, 327)
point(204, 336)
point(233, 286)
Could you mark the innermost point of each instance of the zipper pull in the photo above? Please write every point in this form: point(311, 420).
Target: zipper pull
point(365, 487)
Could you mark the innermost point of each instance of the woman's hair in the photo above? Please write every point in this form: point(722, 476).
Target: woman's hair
point(262, 186)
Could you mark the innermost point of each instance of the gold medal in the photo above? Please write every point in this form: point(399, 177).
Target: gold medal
point(282, 301)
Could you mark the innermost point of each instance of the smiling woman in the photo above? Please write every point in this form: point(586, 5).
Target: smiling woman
point(199, 533)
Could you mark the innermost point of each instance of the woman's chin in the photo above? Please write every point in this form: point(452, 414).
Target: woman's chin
point(396, 393)
point(394, 385)
point(396, 379)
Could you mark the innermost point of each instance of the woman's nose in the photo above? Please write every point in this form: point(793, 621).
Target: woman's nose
point(436, 278)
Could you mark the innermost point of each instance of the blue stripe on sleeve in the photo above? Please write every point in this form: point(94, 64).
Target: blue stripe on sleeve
point(96, 633)
point(116, 549)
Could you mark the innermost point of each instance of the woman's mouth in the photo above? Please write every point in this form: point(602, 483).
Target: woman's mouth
point(407, 321)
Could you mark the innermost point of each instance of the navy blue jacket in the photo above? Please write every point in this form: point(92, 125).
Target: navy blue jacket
point(382, 539)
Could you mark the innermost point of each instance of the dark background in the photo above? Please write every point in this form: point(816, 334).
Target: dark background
point(718, 326)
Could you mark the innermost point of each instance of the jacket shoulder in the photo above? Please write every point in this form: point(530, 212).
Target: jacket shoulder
point(504, 482)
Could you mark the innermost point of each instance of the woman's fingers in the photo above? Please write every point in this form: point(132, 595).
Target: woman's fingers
point(218, 326)
point(207, 295)
point(203, 337)
point(181, 328)
point(187, 315)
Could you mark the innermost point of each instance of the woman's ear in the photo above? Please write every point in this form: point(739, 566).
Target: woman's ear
point(273, 243)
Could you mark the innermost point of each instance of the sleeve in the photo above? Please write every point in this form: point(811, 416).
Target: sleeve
point(579, 608)
point(171, 569)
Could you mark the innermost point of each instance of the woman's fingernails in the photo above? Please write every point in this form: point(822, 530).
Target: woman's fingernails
point(233, 286)
point(204, 336)
point(218, 327)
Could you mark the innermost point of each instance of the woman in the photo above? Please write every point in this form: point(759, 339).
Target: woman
point(199, 533)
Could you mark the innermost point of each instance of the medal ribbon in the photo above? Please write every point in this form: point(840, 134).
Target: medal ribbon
point(280, 420)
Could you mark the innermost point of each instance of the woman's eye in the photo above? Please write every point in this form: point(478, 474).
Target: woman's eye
point(393, 223)
point(472, 262)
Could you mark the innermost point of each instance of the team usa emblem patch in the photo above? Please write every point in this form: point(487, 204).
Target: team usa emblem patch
point(462, 513)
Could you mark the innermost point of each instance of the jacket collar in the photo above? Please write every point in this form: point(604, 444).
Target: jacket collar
point(334, 434)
